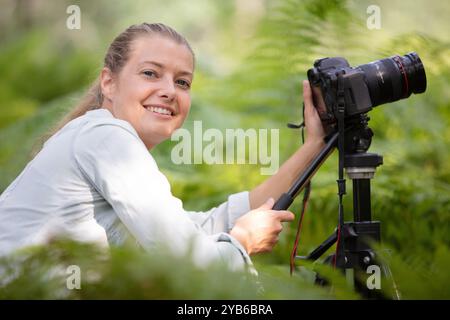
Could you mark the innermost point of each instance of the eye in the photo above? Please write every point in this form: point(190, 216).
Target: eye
point(150, 73)
point(183, 83)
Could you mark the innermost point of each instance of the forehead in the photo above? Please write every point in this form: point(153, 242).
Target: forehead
point(162, 50)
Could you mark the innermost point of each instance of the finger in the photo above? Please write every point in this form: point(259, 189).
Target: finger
point(276, 229)
point(266, 249)
point(311, 114)
point(271, 242)
point(307, 96)
point(274, 241)
point(285, 215)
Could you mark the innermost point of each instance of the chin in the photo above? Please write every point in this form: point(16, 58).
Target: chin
point(156, 138)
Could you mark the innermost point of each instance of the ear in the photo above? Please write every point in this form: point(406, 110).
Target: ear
point(107, 83)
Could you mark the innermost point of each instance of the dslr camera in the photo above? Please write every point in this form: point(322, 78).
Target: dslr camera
point(361, 88)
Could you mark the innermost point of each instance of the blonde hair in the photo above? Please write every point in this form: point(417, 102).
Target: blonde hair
point(116, 57)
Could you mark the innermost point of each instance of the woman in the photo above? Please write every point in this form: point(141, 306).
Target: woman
point(94, 180)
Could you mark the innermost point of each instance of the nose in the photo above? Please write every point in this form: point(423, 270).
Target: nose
point(167, 89)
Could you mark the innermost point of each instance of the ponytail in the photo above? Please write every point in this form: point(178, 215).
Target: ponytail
point(92, 100)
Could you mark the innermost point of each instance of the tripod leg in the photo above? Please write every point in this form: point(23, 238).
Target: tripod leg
point(320, 250)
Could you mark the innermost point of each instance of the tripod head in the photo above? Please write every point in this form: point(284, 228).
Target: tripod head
point(357, 134)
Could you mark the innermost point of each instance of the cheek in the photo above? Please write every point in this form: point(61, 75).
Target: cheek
point(185, 103)
point(139, 91)
point(133, 87)
point(129, 95)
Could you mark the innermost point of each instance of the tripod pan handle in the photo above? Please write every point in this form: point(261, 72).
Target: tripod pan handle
point(284, 202)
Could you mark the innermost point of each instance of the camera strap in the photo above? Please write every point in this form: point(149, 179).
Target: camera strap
point(306, 194)
point(339, 257)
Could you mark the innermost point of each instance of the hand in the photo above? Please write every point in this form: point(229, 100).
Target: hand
point(258, 229)
point(315, 131)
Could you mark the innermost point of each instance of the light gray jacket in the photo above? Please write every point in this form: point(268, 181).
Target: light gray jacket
point(95, 181)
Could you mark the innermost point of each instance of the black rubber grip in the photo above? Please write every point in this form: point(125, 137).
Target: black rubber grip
point(283, 203)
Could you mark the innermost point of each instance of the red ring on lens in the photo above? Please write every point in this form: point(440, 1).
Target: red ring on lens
point(399, 62)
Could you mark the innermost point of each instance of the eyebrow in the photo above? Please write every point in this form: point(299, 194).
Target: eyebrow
point(159, 65)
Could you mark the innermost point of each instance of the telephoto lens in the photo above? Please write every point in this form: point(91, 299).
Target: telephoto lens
point(394, 78)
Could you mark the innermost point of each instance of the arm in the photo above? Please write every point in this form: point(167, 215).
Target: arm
point(280, 182)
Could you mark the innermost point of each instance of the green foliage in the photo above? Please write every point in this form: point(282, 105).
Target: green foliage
point(18, 141)
point(416, 276)
point(260, 89)
point(128, 273)
point(410, 192)
point(39, 75)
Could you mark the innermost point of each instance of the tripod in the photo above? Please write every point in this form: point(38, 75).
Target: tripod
point(354, 238)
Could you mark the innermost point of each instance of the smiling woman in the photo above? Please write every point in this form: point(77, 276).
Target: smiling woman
point(94, 179)
point(152, 91)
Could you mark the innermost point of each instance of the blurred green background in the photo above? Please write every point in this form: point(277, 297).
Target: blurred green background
point(251, 58)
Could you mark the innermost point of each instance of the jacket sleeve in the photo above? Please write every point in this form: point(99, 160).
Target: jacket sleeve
point(117, 164)
point(223, 217)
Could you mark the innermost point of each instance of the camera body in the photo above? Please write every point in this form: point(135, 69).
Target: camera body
point(363, 87)
point(325, 75)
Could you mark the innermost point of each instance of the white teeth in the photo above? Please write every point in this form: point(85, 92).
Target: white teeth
point(160, 110)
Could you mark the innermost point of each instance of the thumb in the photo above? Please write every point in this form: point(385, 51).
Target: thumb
point(268, 204)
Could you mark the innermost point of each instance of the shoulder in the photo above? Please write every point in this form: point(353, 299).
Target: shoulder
point(99, 126)
point(94, 126)
point(108, 137)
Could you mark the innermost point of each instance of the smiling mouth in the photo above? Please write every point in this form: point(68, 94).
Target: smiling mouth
point(160, 110)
